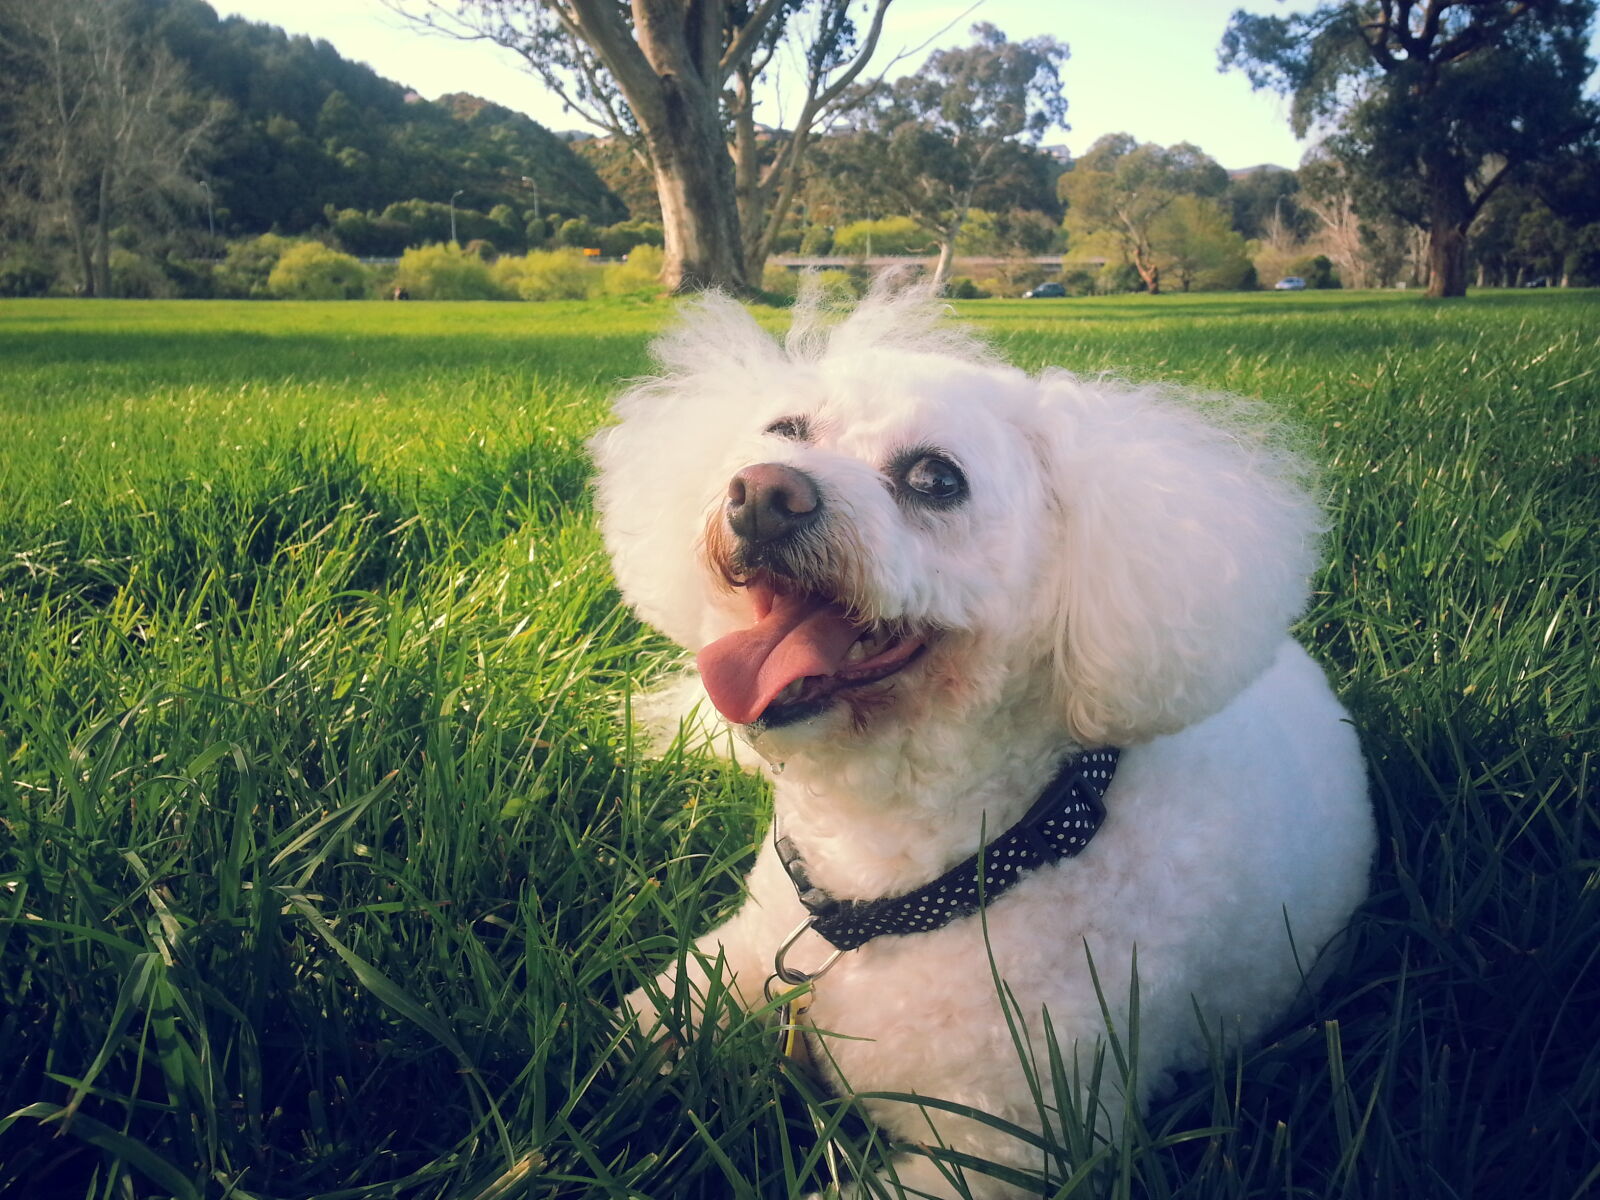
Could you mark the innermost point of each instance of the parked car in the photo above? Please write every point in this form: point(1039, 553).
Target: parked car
point(1538, 281)
point(1290, 283)
point(1045, 291)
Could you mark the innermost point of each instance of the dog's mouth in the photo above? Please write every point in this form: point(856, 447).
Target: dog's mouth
point(804, 652)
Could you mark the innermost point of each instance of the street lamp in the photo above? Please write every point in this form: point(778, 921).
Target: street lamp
point(535, 188)
point(211, 221)
point(453, 196)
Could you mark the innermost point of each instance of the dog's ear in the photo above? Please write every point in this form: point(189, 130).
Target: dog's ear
point(1183, 533)
point(654, 467)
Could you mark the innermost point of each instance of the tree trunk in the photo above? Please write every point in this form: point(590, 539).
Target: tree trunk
point(947, 258)
point(699, 218)
point(1447, 261)
point(749, 194)
point(102, 238)
point(667, 68)
point(1450, 213)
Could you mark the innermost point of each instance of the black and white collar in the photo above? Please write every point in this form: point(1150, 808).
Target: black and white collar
point(1059, 825)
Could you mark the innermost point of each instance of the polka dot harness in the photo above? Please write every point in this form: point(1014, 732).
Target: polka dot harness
point(1059, 825)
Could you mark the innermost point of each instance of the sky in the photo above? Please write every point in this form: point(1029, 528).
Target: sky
point(1144, 67)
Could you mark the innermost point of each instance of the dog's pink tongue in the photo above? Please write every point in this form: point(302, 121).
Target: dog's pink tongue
point(798, 636)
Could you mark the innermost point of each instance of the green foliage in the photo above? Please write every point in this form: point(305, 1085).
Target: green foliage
point(779, 283)
point(617, 240)
point(577, 233)
point(547, 275)
point(887, 235)
point(244, 272)
point(818, 239)
point(961, 287)
point(307, 128)
point(1121, 193)
point(446, 272)
point(25, 272)
point(312, 271)
point(640, 275)
point(1433, 107)
point(369, 236)
point(957, 134)
point(1316, 269)
point(1078, 282)
point(1196, 245)
point(316, 795)
point(137, 276)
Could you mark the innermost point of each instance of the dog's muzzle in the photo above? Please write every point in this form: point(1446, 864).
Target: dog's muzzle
point(769, 502)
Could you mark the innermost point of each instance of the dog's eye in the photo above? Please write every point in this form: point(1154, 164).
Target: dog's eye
point(796, 429)
point(935, 478)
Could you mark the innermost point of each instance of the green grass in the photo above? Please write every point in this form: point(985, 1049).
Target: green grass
point(324, 851)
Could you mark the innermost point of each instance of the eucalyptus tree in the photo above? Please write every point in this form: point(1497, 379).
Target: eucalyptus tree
point(958, 134)
point(1432, 104)
point(676, 82)
point(1121, 191)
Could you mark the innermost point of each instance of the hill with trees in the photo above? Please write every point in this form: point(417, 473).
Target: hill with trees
point(140, 125)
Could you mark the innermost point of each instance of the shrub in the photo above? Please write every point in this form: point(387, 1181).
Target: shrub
point(577, 233)
point(365, 235)
point(22, 273)
point(312, 271)
point(963, 288)
point(817, 239)
point(547, 275)
point(614, 241)
point(248, 265)
point(1317, 270)
point(780, 282)
point(788, 240)
point(1119, 277)
point(640, 274)
point(446, 272)
point(844, 285)
point(1078, 282)
point(890, 235)
point(483, 248)
point(135, 277)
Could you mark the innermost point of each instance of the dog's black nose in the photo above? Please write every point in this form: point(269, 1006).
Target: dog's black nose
point(769, 501)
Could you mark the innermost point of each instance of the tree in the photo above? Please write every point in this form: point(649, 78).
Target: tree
point(1436, 103)
point(1120, 191)
point(958, 134)
point(1263, 204)
point(102, 131)
point(1198, 244)
point(663, 77)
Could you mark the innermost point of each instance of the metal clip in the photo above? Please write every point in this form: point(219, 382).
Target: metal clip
point(787, 973)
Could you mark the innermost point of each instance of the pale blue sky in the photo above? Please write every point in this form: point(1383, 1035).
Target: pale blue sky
point(1145, 67)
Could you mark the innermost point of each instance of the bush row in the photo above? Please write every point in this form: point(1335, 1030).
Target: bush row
point(275, 267)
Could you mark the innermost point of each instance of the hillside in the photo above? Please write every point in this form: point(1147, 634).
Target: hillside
point(306, 128)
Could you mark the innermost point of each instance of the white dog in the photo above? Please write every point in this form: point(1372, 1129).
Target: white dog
point(926, 584)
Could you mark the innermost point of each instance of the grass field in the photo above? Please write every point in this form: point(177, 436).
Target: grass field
point(324, 851)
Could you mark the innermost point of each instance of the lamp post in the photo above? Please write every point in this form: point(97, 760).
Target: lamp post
point(535, 188)
point(453, 196)
point(211, 221)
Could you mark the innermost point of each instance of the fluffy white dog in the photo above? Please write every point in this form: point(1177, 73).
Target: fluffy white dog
point(926, 584)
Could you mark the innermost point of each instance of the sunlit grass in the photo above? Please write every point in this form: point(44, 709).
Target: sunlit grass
point(325, 851)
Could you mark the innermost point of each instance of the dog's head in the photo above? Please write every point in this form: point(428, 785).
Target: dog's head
point(877, 525)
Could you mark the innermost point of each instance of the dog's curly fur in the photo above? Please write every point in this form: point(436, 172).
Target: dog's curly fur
point(1121, 570)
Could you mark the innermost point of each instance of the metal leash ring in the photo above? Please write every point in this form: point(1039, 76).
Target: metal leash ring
point(792, 976)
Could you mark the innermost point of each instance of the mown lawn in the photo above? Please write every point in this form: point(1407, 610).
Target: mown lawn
point(324, 851)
